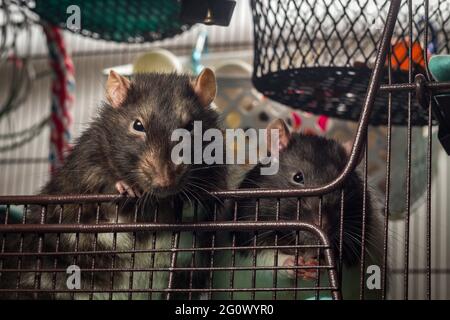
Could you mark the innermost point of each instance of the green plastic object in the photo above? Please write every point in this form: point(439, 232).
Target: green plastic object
point(132, 21)
point(15, 212)
point(439, 66)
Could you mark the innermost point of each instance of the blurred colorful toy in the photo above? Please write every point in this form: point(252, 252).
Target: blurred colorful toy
point(243, 107)
point(400, 52)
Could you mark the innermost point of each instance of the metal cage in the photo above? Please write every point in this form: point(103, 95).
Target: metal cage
point(128, 271)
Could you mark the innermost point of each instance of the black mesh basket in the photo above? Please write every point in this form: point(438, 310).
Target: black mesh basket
point(317, 55)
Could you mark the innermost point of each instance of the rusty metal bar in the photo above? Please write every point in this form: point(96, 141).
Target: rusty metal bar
point(160, 269)
point(429, 160)
point(430, 86)
point(364, 223)
point(143, 251)
point(407, 219)
point(211, 261)
point(329, 288)
point(158, 227)
point(387, 198)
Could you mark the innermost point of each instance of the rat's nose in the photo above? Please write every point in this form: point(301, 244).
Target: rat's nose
point(162, 175)
point(166, 176)
point(163, 179)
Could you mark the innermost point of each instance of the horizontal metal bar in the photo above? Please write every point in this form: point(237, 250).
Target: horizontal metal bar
point(60, 199)
point(168, 269)
point(143, 251)
point(156, 227)
point(168, 290)
point(433, 86)
point(110, 198)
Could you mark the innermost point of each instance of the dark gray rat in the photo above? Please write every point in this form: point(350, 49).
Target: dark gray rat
point(126, 148)
point(312, 161)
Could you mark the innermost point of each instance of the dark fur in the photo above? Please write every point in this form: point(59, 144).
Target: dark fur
point(104, 154)
point(320, 160)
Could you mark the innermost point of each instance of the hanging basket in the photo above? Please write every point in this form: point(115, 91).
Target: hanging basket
point(317, 55)
point(132, 21)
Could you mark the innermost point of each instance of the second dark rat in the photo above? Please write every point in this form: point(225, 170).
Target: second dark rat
point(307, 161)
point(126, 148)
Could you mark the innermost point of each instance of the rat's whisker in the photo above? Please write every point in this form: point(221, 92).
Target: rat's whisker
point(196, 185)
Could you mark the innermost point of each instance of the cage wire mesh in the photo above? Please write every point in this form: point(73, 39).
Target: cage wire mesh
point(194, 255)
point(172, 262)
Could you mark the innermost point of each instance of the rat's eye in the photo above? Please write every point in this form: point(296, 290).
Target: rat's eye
point(298, 178)
point(138, 126)
point(190, 126)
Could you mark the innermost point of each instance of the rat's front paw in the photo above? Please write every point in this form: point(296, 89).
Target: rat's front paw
point(303, 274)
point(125, 189)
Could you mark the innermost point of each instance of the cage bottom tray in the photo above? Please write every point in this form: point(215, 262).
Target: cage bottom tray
point(339, 92)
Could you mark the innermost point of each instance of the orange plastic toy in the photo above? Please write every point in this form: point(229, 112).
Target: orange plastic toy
point(399, 57)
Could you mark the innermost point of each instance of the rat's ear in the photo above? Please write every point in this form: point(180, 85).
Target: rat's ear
point(205, 87)
point(283, 132)
point(116, 89)
point(348, 145)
